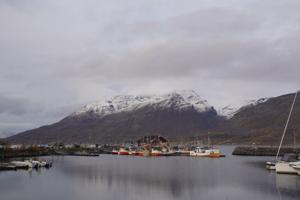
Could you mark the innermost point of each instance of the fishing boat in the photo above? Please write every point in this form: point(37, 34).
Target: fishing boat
point(182, 152)
point(140, 151)
point(214, 153)
point(132, 151)
point(166, 151)
point(155, 151)
point(199, 151)
point(115, 152)
point(123, 151)
point(205, 152)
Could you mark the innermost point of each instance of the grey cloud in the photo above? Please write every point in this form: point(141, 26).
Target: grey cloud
point(235, 59)
point(17, 106)
point(58, 55)
point(220, 43)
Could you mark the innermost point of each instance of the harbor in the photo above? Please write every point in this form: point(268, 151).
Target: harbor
point(132, 177)
point(153, 161)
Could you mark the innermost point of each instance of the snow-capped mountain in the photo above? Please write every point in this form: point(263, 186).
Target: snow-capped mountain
point(180, 100)
point(229, 111)
point(176, 115)
point(256, 102)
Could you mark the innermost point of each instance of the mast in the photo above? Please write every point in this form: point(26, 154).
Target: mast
point(286, 125)
point(208, 140)
point(294, 141)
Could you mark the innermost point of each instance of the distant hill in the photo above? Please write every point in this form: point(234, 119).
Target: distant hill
point(176, 115)
point(263, 122)
point(2, 141)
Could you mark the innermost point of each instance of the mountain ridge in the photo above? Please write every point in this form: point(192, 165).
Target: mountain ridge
point(121, 103)
point(173, 116)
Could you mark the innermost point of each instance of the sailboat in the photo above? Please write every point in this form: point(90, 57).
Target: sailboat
point(283, 166)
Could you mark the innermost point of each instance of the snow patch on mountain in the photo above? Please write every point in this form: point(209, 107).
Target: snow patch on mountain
point(256, 102)
point(178, 100)
point(229, 111)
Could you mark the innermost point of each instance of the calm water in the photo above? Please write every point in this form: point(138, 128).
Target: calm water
point(111, 177)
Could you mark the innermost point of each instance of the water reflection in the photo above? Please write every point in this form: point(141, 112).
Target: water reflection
point(288, 185)
point(124, 177)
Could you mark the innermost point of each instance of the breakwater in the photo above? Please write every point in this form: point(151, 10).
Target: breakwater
point(263, 150)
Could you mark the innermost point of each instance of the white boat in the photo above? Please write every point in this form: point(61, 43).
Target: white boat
point(43, 163)
point(182, 152)
point(205, 152)
point(283, 167)
point(155, 151)
point(296, 166)
point(24, 164)
point(271, 165)
point(198, 151)
point(123, 151)
point(36, 163)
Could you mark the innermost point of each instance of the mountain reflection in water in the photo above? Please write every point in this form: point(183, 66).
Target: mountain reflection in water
point(125, 177)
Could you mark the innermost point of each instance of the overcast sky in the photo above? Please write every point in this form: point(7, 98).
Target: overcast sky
point(57, 55)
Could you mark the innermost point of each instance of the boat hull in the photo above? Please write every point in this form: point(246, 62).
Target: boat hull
point(211, 153)
point(140, 153)
point(132, 153)
point(270, 165)
point(123, 153)
point(22, 164)
point(297, 168)
point(284, 168)
point(198, 154)
point(168, 154)
point(155, 154)
point(214, 155)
